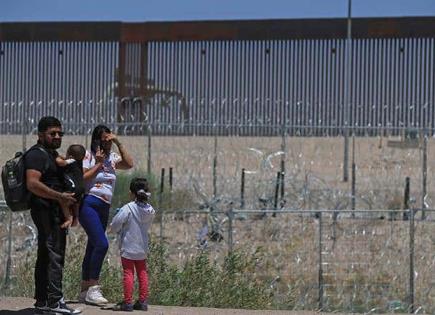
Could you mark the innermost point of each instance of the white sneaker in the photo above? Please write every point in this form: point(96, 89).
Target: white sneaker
point(94, 296)
point(82, 296)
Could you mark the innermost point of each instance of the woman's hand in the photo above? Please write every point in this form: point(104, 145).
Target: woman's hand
point(112, 137)
point(89, 173)
point(99, 156)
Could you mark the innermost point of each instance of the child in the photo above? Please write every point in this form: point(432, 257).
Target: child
point(73, 181)
point(132, 223)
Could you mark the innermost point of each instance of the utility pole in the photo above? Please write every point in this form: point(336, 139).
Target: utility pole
point(346, 101)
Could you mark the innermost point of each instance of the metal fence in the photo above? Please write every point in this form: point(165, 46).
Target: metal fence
point(222, 73)
point(358, 261)
point(300, 83)
point(334, 260)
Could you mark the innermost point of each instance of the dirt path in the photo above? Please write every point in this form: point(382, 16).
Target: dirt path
point(23, 306)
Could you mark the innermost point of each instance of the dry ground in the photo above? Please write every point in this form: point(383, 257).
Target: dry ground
point(379, 168)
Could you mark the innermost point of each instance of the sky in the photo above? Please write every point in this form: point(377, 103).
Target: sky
point(193, 10)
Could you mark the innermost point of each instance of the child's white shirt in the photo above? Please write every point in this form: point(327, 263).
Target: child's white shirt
point(132, 222)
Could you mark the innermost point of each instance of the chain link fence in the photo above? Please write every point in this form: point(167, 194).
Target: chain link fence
point(358, 261)
point(359, 245)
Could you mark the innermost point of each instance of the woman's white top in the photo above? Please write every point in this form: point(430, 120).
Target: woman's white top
point(103, 184)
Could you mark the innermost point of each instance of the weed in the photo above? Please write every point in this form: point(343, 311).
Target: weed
point(199, 282)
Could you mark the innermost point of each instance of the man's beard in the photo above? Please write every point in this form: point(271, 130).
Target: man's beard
point(53, 145)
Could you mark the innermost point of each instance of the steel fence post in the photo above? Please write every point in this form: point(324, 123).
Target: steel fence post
point(320, 288)
point(23, 126)
point(424, 176)
point(215, 158)
point(162, 183)
point(230, 215)
point(242, 190)
point(283, 158)
point(7, 279)
point(149, 150)
point(353, 182)
point(411, 260)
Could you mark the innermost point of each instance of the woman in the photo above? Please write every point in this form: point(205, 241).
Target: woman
point(99, 167)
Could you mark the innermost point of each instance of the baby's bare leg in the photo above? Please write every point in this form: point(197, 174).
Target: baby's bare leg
point(75, 213)
point(67, 215)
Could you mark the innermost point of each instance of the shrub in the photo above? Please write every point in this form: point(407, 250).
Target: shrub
point(199, 282)
point(111, 278)
point(122, 187)
point(177, 199)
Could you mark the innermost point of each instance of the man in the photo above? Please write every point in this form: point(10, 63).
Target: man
point(44, 181)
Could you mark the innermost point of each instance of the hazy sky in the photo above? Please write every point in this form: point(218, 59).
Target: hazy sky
point(184, 10)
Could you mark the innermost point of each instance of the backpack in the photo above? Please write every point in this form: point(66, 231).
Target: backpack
point(14, 181)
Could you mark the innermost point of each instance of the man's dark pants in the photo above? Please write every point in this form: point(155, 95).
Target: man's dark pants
point(51, 251)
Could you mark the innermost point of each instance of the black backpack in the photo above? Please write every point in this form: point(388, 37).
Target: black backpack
point(14, 181)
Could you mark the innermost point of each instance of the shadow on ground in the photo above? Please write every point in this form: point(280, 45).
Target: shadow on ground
point(24, 311)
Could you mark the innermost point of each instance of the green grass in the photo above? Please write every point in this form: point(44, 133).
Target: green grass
point(200, 282)
point(122, 187)
point(177, 199)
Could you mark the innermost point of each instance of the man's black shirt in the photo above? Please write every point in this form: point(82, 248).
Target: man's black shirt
point(52, 175)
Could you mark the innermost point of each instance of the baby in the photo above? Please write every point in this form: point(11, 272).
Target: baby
point(72, 166)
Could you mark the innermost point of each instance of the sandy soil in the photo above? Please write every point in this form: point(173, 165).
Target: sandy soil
point(23, 306)
point(379, 167)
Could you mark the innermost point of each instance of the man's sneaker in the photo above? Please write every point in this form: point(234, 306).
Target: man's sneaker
point(94, 296)
point(39, 304)
point(125, 307)
point(140, 306)
point(82, 296)
point(62, 308)
point(40, 307)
